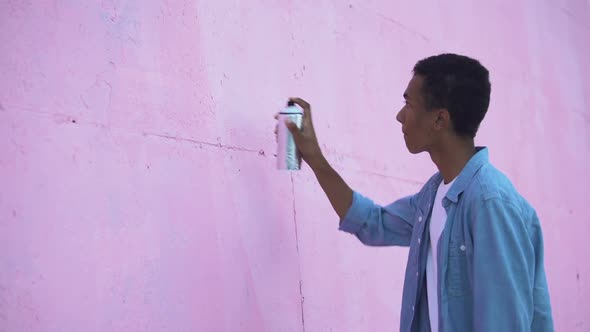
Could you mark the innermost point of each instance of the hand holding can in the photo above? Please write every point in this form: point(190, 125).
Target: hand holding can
point(288, 157)
point(302, 134)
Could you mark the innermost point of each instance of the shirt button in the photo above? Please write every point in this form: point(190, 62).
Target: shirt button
point(462, 247)
point(412, 308)
point(418, 240)
point(420, 219)
point(416, 274)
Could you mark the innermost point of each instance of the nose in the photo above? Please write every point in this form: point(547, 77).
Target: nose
point(400, 116)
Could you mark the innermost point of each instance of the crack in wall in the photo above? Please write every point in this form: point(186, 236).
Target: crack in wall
point(217, 145)
point(298, 256)
point(62, 118)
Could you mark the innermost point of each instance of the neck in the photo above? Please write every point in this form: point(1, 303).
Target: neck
point(451, 155)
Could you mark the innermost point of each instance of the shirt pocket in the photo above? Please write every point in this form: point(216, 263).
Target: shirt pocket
point(457, 271)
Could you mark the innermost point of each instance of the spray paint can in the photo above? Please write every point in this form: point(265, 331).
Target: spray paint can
point(288, 157)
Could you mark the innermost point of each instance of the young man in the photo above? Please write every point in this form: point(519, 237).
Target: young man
point(476, 249)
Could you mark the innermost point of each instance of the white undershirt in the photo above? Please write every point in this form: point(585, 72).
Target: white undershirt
point(437, 224)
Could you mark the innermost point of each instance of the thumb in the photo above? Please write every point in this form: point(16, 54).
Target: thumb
point(295, 131)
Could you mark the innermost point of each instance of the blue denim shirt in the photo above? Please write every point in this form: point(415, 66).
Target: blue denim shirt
point(490, 254)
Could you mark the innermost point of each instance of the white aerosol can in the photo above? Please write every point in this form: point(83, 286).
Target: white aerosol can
point(288, 157)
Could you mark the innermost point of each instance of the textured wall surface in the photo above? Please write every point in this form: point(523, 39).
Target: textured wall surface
point(138, 183)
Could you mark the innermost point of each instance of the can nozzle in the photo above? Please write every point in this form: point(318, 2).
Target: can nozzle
point(290, 103)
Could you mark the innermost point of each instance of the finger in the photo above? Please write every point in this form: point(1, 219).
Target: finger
point(306, 108)
point(305, 105)
point(277, 116)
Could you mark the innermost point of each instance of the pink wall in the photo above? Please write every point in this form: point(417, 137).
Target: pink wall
point(138, 189)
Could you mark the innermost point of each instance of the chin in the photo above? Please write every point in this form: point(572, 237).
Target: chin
point(411, 149)
point(414, 150)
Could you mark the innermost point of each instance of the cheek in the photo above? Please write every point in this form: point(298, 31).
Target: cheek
point(410, 119)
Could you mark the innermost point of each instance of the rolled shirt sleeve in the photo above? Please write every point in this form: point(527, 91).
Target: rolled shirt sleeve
point(375, 225)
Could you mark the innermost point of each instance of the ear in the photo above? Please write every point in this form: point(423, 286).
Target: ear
point(443, 119)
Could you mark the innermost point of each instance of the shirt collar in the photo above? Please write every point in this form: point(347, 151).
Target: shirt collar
point(479, 159)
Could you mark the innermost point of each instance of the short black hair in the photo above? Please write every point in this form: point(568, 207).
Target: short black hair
point(461, 85)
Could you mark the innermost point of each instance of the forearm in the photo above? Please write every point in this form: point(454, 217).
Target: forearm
point(338, 192)
point(371, 223)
